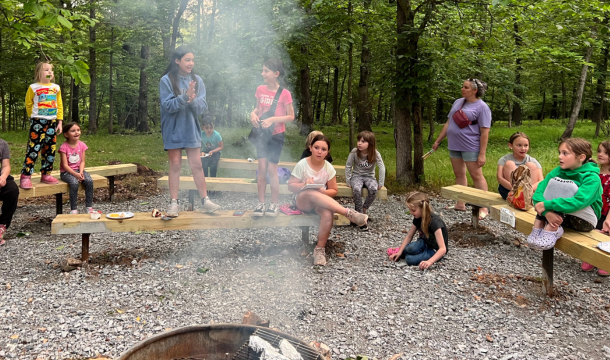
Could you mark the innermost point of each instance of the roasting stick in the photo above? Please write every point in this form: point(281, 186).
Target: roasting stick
point(426, 155)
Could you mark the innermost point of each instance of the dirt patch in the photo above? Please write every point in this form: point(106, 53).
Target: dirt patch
point(335, 247)
point(500, 284)
point(124, 257)
point(464, 235)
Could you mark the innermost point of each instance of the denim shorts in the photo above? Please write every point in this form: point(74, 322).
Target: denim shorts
point(464, 155)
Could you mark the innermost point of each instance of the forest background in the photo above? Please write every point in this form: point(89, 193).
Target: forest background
point(352, 65)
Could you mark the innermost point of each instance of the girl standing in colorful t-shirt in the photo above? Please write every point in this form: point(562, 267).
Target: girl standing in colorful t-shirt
point(45, 110)
point(269, 154)
point(72, 166)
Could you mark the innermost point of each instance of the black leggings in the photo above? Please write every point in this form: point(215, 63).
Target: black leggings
point(75, 184)
point(9, 195)
point(212, 163)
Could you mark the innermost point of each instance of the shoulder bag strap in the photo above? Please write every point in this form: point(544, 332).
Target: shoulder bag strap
point(276, 100)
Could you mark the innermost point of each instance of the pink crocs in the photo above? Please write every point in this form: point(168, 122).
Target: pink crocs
point(586, 267)
point(48, 179)
point(25, 182)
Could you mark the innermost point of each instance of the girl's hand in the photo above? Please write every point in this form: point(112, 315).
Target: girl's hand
point(60, 127)
point(481, 160)
point(394, 257)
point(435, 145)
point(553, 219)
point(425, 264)
point(81, 177)
point(2, 182)
point(266, 123)
point(191, 91)
point(606, 227)
point(539, 208)
point(309, 181)
point(254, 119)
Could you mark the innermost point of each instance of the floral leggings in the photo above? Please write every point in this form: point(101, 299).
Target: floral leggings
point(358, 182)
point(42, 140)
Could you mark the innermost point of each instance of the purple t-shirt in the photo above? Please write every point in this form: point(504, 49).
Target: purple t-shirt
point(468, 138)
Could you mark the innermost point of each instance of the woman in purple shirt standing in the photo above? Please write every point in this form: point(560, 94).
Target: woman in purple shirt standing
point(467, 146)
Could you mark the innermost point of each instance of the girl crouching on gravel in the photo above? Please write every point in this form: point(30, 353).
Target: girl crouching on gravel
point(432, 243)
point(316, 170)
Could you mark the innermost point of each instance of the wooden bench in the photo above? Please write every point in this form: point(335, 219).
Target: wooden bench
point(188, 220)
point(243, 164)
point(248, 185)
point(581, 245)
point(107, 171)
point(42, 189)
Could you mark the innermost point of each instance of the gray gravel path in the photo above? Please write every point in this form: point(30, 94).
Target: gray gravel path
point(484, 301)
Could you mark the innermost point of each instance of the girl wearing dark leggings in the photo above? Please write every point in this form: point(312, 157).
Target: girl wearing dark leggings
point(72, 168)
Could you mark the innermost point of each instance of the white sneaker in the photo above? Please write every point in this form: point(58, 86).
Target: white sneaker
point(208, 206)
point(356, 217)
point(172, 209)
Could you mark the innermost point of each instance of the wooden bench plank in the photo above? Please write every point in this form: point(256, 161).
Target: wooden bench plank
point(243, 164)
point(580, 245)
point(472, 196)
point(188, 220)
point(247, 185)
point(41, 189)
point(105, 170)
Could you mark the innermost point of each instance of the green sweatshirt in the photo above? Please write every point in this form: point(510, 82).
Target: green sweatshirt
point(589, 190)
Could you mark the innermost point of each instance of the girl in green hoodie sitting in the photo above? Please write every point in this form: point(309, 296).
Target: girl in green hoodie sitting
point(570, 195)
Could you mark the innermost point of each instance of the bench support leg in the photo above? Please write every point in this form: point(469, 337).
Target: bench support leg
point(475, 216)
point(192, 200)
point(58, 204)
point(85, 248)
point(111, 188)
point(547, 271)
point(305, 234)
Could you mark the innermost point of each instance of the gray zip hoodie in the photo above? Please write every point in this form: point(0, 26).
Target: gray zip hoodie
point(361, 167)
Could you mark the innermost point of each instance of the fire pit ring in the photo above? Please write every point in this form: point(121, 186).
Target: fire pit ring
point(212, 342)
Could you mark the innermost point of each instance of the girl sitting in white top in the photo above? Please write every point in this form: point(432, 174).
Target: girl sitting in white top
point(316, 170)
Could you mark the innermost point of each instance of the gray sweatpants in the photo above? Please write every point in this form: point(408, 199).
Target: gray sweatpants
point(74, 185)
point(358, 182)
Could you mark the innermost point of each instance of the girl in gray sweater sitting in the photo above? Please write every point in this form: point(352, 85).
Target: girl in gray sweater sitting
point(360, 172)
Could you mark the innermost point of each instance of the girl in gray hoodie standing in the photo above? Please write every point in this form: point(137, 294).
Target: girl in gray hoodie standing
point(360, 172)
point(182, 95)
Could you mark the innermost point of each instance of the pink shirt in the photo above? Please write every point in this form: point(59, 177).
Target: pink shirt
point(264, 99)
point(74, 155)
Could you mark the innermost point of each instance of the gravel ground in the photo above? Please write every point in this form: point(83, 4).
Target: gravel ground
point(483, 301)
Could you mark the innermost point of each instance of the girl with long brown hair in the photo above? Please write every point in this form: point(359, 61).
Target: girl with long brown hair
point(432, 243)
point(360, 172)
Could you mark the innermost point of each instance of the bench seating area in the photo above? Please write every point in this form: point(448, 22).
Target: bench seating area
point(188, 220)
point(243, 164)
point(248, 185)
point(581, 245)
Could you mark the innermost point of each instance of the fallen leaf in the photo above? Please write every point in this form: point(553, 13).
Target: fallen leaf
point(168, 329)
point(120, 311)
point(61, 247)
point(42, 329)
point(396, 356)
point(145, 203)
point(8, 286)
point(138, 232)
point(15, 337)
point(202, 270)
point(341, 255)
point(44, 341)
point(22, 234)
point(30, 300)
point(488, 337)
point(305, 253)
point(138, 318)
point(179, 266)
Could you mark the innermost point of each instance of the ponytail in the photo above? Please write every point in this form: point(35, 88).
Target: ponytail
point(420, 200)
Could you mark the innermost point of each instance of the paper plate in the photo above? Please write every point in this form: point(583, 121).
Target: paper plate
point(604, 246)
point(120, 215)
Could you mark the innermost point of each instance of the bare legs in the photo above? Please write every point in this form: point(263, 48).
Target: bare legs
point(323, 205)
point(175, 163)
point(266, 168)
point(476, 173)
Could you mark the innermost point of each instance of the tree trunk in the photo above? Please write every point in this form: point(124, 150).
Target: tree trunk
point(92, 73)
point(564, 101)
point(199, 10)
point(430, 121)
point(341, 98)
point(74, 98)
point(510, 112)
point(326, 96)
point(212, 18)
point(350, 61)
point(543, 104)
point(176, 24)
point(110, 87)
point(379, 106)
point(364, 115)
point(335, 119)
point(600, 96)
point(143, 94)
point(3, 108)
point(517, 113)
point(316, 97)
point(578, 98)
point(307, 111)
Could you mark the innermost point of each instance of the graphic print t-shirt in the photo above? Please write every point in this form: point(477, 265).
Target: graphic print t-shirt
point(74, 155)
point(210, 143)
point(264, 99)
point(43, 101)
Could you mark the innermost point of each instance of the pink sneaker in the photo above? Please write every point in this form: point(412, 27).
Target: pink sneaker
point(25, 182)
point(587, 267)
point(603, 273)
point(48, 179)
